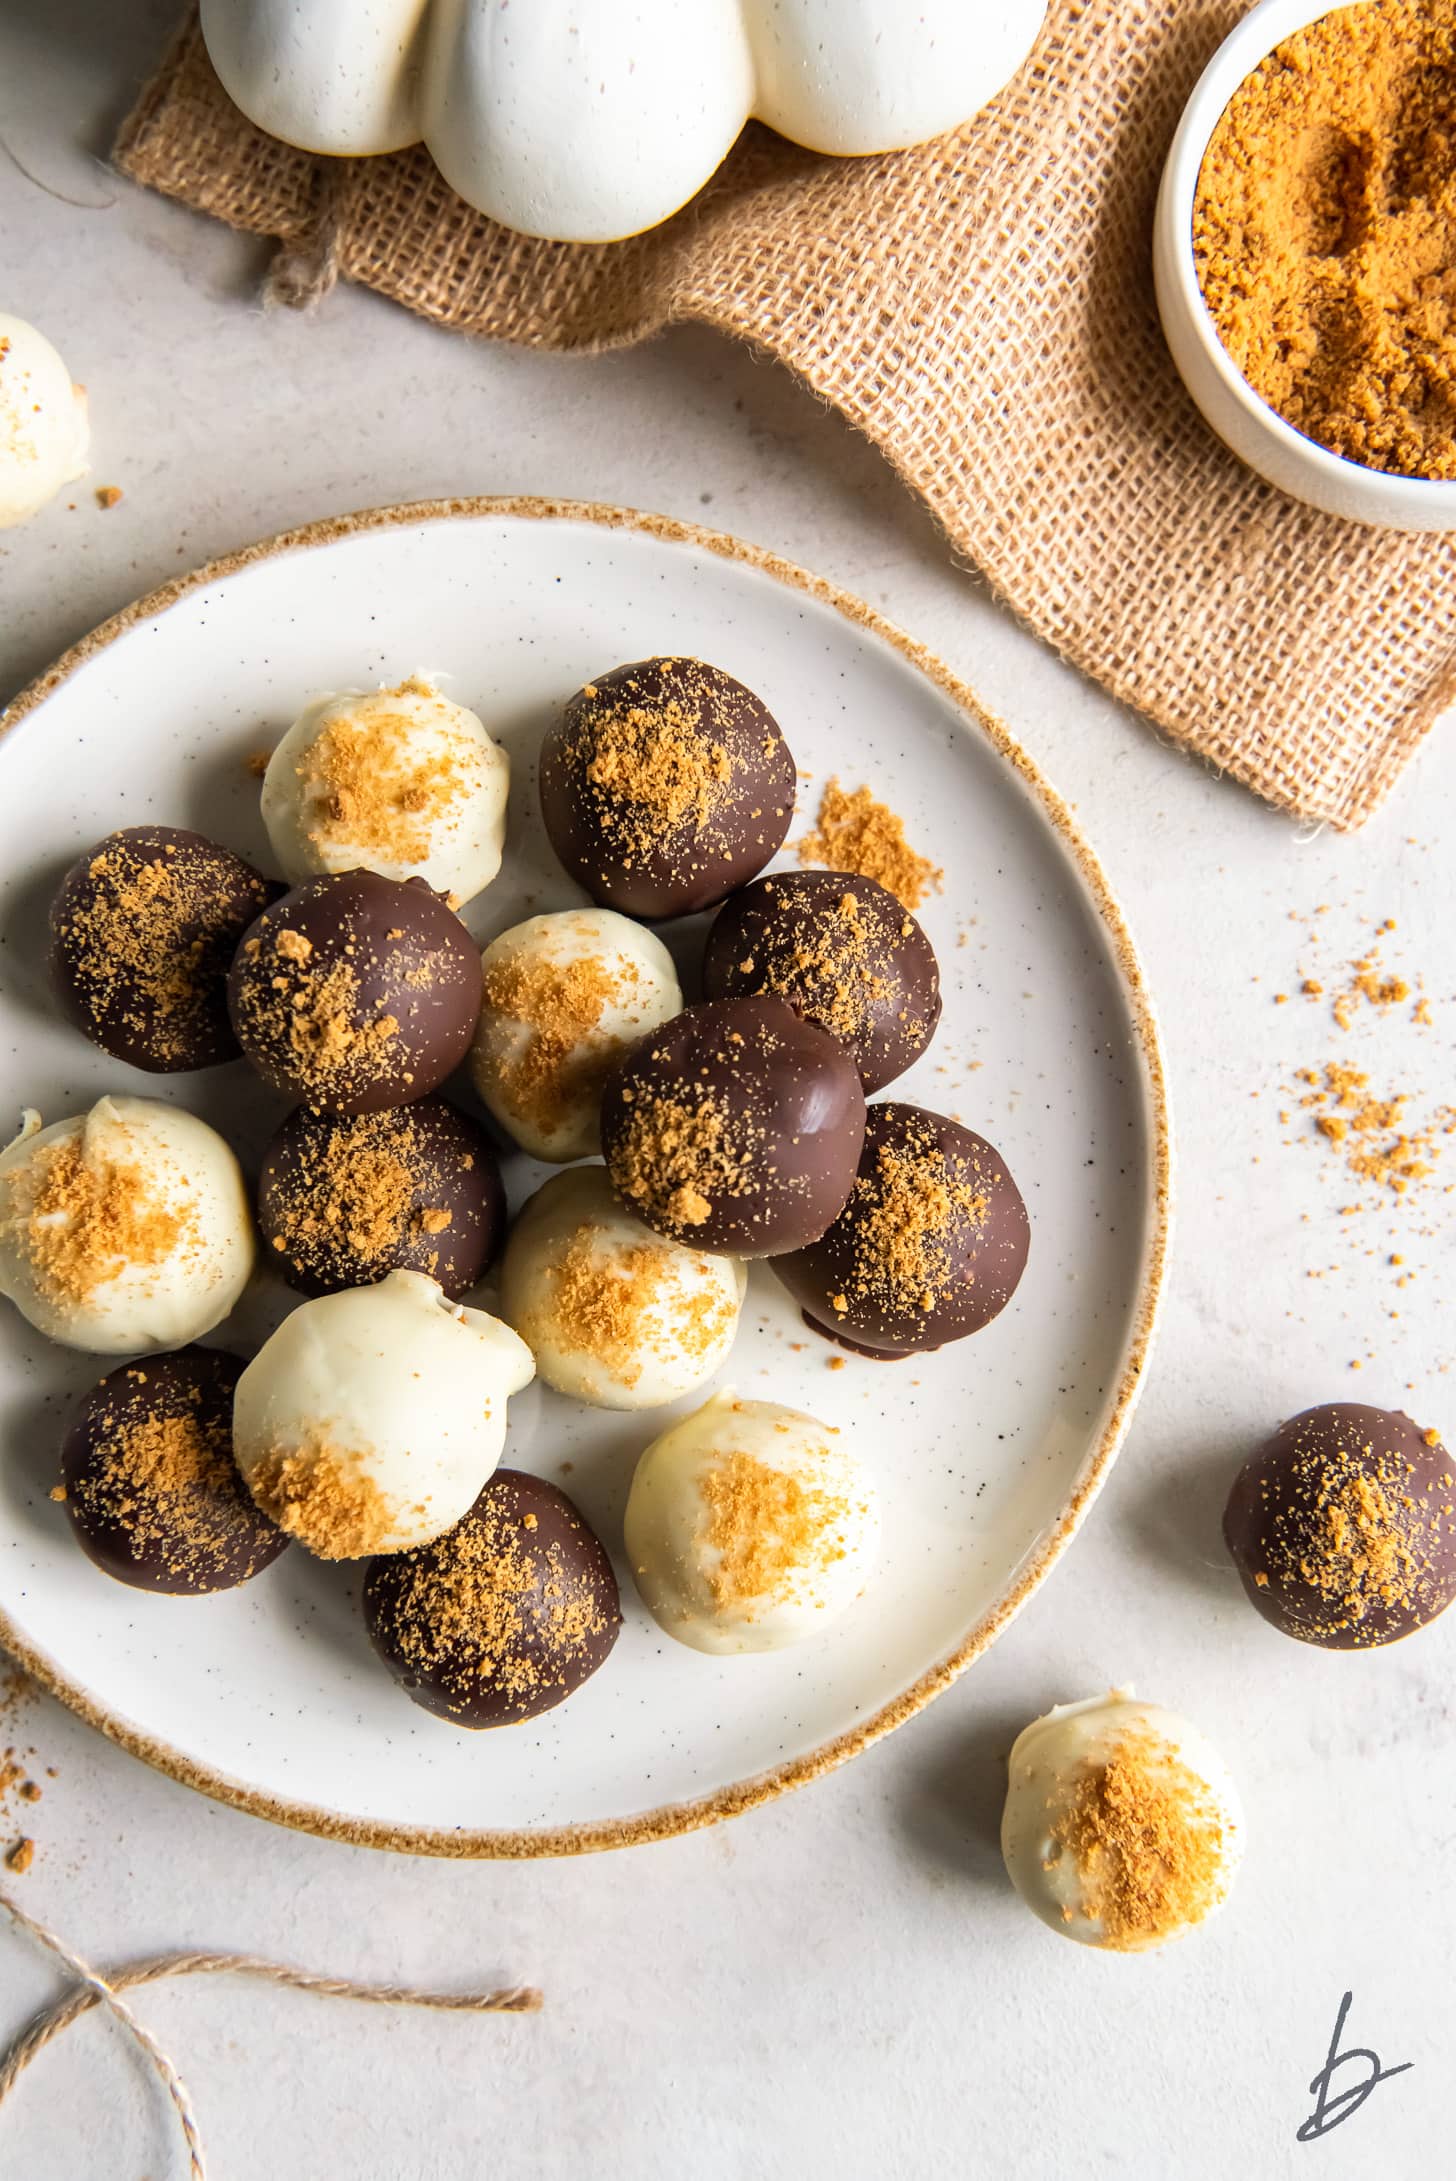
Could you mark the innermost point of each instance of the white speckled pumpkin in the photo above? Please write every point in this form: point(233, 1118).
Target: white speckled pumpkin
point(587, 120)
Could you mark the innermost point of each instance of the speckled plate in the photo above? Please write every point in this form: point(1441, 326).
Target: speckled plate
point(988, 1454)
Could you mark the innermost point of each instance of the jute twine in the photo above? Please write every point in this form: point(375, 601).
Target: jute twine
point(97, 1990)
point(982, 308)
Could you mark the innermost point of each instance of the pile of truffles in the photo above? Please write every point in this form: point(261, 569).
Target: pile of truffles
point(693, 1134)
point(369, 1426)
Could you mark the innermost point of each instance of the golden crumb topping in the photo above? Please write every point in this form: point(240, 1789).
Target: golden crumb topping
point(323, 1495)
point(772, 1532)
point(1149, 1841)
point(858, 833)
point(371, 780)
point(81, 1219)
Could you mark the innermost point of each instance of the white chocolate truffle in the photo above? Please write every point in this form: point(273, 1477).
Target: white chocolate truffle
point(43, 428)
point(1122, 1827)
point(372, 1418)
point(565, 995)
point(749, 1527)
point(403, 782)
point(124, 1230)
point(613, 1313)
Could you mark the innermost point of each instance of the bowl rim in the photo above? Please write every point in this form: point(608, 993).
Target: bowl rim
point(1251, 41)
point(737, 1796)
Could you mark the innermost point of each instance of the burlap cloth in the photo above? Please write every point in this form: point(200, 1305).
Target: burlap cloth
point(982, 308)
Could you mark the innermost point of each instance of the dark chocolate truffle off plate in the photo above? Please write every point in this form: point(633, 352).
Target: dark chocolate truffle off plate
point(985, 1452)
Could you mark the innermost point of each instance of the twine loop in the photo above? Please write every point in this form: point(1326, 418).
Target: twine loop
point(305, 268)
point(95, 1990)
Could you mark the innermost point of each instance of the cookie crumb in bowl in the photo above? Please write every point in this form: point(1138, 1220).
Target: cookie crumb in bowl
point(1278, 448)
point(1324, 228)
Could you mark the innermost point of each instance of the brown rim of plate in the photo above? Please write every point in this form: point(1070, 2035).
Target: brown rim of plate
point(679, 1817)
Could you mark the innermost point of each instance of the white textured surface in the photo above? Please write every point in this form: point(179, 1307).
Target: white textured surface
point(843, 1982)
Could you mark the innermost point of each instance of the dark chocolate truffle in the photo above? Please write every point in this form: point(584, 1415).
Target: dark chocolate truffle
point(149, 1480)
point(143, 930)
point(929, 1247)
point(734, 1127)
point(1343, 1527)
point(344, 1199)
point(503, 1617)
point(355, 993)
point(665, 785)
point(842, 952)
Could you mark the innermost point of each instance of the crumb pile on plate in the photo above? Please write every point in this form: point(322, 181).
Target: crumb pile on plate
point(371, 1424)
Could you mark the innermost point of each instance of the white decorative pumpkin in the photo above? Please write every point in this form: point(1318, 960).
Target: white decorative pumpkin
point(588, 120)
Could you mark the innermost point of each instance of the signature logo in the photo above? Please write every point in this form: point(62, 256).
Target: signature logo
point(1332, 2106)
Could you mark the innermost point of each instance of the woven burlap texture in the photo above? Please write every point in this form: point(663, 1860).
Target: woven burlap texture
point(982, 309)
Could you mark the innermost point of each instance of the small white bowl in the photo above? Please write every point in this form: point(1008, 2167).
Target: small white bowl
point(1245, 422)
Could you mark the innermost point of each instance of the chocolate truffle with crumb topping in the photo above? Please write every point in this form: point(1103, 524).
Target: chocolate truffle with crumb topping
point(929, 1247)
point(356, 993)
point(1343, 1527)
point(143, 930)
point(503, 1617)
point(734, 1127)
point(149, 1480)
point(665, 785)
point(344, 1199)
point(843, 953)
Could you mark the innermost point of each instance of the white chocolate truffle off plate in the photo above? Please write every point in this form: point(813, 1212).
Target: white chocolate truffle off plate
point(372, 1418)
point(749, 1527)
point(1123, 1827)
point(43, 428)
point(403, 782)
point(125, 1230)
point(613, 1313)
point(565, 995)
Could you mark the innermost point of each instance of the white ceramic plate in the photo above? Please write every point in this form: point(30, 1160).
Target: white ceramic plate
point(987, 1454)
